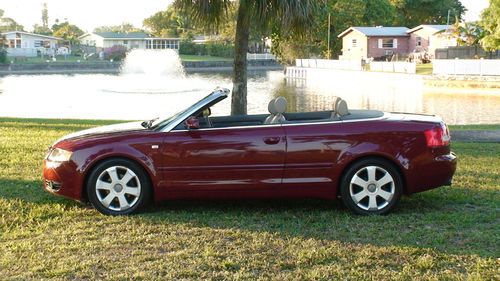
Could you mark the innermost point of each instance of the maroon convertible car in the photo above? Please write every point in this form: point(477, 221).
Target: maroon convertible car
point(368, 158)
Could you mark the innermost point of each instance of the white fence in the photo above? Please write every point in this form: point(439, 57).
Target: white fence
point(265, 56)
point(33, 52)
point(400, 67)
point(329, 64)
point(466, 67)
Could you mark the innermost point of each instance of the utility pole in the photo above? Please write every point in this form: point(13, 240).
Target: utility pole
point(329, 55)
point(448, 19)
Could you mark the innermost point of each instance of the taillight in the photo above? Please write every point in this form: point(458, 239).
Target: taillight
point(438, 136)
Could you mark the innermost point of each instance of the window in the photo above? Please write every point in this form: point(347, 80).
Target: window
point(354, 43)
point(419, 41)
point(387, 43)
point(42, 44)
point(125, 42)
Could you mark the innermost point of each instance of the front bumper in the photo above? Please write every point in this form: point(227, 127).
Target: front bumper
point(62, 178)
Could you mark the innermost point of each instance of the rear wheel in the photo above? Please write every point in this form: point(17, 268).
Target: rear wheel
point(371, 186)
point(118, 187)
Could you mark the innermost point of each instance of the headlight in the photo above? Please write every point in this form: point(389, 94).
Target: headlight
point(59, 155)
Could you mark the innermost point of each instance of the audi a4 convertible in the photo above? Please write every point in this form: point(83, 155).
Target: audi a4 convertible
point(368, 158)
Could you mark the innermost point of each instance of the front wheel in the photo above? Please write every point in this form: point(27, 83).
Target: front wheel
point(371, 187)
point(118, 187)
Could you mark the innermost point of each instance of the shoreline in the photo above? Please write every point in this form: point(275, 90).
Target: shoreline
point(118, 70)
point(100, 67)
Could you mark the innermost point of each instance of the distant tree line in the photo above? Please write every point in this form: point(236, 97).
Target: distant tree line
point(287, 45)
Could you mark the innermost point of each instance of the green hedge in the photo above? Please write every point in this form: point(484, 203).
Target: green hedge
point(214, 49)
point(3, 56)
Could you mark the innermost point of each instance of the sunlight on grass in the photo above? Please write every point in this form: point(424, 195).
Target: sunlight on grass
point(447, 233)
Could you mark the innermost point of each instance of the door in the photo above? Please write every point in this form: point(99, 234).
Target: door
point(312, 153)
point(243, 158)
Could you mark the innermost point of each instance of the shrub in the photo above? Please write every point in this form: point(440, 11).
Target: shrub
point(115, 53)
point(215, 49)
point(3, 56)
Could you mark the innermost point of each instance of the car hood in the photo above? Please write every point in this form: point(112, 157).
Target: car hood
point(102, 132)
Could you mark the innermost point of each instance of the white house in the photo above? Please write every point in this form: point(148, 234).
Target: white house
point(131, 40)
point(428, 38)
point(24, 44)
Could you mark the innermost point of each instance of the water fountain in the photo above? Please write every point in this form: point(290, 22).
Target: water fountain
point(154, 63)
point(155, 72)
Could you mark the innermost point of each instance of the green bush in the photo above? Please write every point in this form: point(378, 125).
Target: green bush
point(214, 49)
point(3, 56)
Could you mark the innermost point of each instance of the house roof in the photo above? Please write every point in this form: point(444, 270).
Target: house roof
point(125, 36)
point(434, 27)
point(33, 34)
point(377, 31)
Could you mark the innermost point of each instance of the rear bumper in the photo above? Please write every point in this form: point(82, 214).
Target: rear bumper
point(435, 172)
point(62, 178)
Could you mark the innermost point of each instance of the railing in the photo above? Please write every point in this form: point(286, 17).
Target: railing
point(466, 67)
point(265, 56)
point(329, 64)
point(400, 67)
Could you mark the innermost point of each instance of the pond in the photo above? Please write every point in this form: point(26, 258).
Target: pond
point(139, 94)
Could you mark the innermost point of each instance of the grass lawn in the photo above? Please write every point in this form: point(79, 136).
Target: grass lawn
point(424, 69)
point(474, 127)
point(450, 233)
point(203, 58)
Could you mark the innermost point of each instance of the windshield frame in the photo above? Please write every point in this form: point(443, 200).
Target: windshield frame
point(167, 124)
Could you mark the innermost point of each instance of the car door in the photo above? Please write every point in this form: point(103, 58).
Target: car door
point(312, 153)
point(240, 158)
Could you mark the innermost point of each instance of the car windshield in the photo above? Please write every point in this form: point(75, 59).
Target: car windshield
point(161, 122)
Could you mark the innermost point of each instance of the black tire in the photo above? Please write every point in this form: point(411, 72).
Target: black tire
point(139, 185)
point(372, 196)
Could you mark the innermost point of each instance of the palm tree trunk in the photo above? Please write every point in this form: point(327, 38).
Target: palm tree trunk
point(239, 97)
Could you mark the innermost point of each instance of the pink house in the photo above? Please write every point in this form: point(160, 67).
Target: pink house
point(374, 42)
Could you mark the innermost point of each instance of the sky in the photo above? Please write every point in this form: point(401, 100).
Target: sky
point(93, 13)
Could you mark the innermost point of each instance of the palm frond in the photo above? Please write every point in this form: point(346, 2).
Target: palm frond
point(211, 13)
point(293, 15)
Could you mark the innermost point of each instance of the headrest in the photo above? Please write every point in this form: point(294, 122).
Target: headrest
point(271, 107)
point(280, 105)
point(340, 107)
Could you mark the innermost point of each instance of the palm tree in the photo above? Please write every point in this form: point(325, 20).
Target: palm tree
point(290, 15)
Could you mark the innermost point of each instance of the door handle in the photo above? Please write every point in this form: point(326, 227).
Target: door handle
point(272, 140)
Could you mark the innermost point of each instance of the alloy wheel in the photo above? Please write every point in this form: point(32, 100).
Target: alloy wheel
point(118, 188)
point(372, 188)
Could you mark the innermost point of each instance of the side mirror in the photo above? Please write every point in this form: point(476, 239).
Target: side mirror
point(192, 123)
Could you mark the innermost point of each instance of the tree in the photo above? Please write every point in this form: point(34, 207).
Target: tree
point(69, 32)
point(45, 16)
point(490, 21)
point(343, 14)
point(294, 15)
point(122, 28)
point(8, 24)
point(39, 29)
point(171, 23)
point(416, 12)
point(467, 33)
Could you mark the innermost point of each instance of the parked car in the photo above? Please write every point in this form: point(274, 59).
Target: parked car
point(367, 157)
